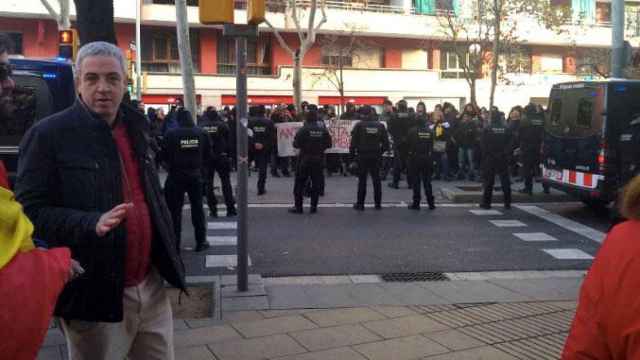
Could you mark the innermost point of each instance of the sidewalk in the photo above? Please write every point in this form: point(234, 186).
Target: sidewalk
point(521, 315)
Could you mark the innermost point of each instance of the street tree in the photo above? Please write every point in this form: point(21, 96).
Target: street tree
point(344, 52)
point(186, 62)
point(94, 20)
point(306, 36)
point(62, 15)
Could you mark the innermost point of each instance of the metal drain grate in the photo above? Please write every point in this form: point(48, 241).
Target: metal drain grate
point(410, 277)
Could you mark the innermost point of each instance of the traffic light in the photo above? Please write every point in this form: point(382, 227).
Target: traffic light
point(216, 11)
point(67, 44)
point(255, 12)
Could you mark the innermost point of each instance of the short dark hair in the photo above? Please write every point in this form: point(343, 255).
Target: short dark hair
point(6, 45)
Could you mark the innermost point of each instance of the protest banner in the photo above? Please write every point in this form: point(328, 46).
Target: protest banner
point(286, 132)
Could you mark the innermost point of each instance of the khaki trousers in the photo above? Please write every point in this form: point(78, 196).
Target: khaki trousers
point(146, 331)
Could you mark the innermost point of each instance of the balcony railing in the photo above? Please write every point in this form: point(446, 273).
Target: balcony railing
point(280, 6)
point(252, 69)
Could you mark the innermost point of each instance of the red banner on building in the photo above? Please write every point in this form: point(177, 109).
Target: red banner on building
point(357, 100)
point(259, 99)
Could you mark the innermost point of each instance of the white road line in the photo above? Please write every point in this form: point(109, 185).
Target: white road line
point(568, 254)
point(222, 240)
point(507, 223)
point(540, 236)
point(222, 225)
point(485, 212)
point(225, 261)
point(402, 205)
point(570, 225)
point(515, 275)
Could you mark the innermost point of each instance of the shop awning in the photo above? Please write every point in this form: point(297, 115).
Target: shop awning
point(165, 99)
point(358, 100)
point(259, 99)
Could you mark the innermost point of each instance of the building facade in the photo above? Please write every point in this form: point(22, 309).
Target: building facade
point(401, 51)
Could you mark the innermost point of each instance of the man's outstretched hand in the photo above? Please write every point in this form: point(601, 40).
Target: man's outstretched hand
point(110, 220)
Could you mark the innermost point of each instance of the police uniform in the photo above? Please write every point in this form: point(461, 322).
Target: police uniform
point(399, 126)
point(312, 140)
point(264, 133)
point(420, 148)
point(220, 163)
point(531, 136)
point(369, 139)
point(186, 151)
point(496, 150)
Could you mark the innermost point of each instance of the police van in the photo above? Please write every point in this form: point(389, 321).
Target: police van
point(585, 126)
point(43, 87)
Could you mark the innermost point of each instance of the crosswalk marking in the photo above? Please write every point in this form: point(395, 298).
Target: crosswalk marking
point(539, 236)
point(222, 225)
point(508, 223)
point(568, 254)
point(485, 212)
point(226, 261)
point(567, 224)
point(222, 240)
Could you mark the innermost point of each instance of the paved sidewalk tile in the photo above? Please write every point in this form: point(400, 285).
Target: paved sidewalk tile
point(49, 353)
point(454, 340)
point(257, 349)
point(326, 318)
point(371, 294)
point(195, 353)
point(344, 353)
point(394, 311)
point(334, 337)
point(329, 296)
point(404, 326)
point(245, 303)
point(483, 353)
point(273, 326)
point(269, 314)
point(459, 292)
point(544, 289)
point(205, 335)
point(241, 316)
point(288, 297)
point(412, 294)
point(407, 348)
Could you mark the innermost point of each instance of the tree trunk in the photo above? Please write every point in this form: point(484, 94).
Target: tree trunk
point(496, 49)
point(186, 64)
point(64, 22)
point(341, 86)
point(297, 81)
point(472, 88)
point(95, 21)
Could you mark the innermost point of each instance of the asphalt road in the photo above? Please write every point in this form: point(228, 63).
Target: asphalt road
point(339, 240)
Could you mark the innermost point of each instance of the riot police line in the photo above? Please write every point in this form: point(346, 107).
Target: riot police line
point(413, 145)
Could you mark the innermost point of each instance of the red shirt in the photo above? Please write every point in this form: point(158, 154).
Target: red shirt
point(138, 221)
point(4, 178)
point(607, 322)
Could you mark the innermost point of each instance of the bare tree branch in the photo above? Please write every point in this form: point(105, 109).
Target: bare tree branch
point(281, 41)
point(51, 11)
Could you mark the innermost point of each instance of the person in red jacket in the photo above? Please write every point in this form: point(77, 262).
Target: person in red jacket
point(607, 321)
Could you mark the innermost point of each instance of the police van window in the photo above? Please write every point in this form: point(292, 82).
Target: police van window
point(30, 102)
point(556, 112)
point(585, 113)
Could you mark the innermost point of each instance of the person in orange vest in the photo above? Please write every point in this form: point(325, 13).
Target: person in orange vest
point(608, 315)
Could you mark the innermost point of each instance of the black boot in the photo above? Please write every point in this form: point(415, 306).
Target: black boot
point(202, 246)
point(414, 206)
point(358, 207)
point(295, 210)
point(231, 212)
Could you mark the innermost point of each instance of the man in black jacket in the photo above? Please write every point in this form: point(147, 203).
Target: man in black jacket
point(186, 151)
point(312, 140)
point(399, 126)
point(531, 135)
point(264, 139)
point(220, 163)
point(87, 181)
point(497, 140)
point(420, 149)
point(369, 139)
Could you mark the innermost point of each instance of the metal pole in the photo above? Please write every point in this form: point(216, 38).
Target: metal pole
point(617, 38)
point(243, 163)
point(138, 52)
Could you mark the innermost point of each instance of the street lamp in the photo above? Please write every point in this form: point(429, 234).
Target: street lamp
point(475, 48)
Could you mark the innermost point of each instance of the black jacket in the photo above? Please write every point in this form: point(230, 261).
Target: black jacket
point(186, 150)
point(369, 138)
point(264, 132)
point(399, 126)
point(219, 134)
point(312, 139)
point(531, 134)
point(69, 175)
point(466, 134)
point(420, 142)
point(497, 143)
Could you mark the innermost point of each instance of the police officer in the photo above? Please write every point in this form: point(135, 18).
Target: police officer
point(312, 140)
point(264, 139)
point(369, 139)
point(186, 150)
point(531, 134)
point(399, 126)
point(218, 132)
point(496, 150)
point(420, 148)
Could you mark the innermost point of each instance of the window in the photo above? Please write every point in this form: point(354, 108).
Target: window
point(258, 56)
point(551, 63)
point(160, 50)
point(450, 65)
point(336, 56)
point(518, 62)
point(173, 2)
point(603, 12)
point(632, 20)
point(556, 112)
point(444, 5)
point(585, 113)
point(16, 39)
